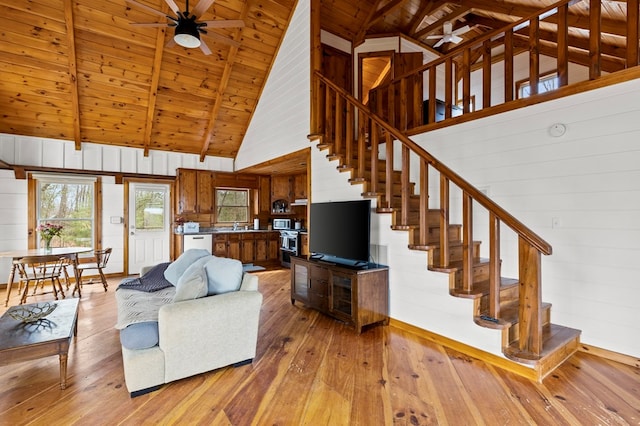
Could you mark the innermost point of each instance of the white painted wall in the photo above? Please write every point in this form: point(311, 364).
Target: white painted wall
point(280, 124)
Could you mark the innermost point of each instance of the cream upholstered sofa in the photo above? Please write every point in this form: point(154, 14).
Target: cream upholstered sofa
point(196, 335)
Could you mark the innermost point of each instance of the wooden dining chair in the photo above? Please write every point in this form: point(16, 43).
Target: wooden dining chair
point(101, 257)
point(37, 270)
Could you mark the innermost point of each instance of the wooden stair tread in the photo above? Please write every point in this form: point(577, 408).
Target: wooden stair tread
point(481, 288)
point(508, 316)
point(555, 338)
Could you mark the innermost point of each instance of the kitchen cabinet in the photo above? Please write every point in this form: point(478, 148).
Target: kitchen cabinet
point(264, 196)
point(195, 191)
point(300, 187)
point(248, 247)
point(233, 246)
point(281, 188)
point(358, 297)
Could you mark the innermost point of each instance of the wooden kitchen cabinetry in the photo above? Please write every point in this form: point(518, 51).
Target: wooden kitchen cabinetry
point(356, 296)
point(248, 247)
point(264, 195)
point(281, 188)
point(300, 187)
point(195, 191)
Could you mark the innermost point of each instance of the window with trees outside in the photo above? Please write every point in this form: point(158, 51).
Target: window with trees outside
point(546, 83)
point(150, 214)
point(69, 203)
point(232, 205)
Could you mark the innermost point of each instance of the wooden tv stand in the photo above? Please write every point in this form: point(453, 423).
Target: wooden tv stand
point(356, 296)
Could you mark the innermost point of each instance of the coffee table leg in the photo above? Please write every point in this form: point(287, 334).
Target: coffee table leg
point(63, 371)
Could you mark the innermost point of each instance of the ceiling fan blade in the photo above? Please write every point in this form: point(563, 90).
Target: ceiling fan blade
point(147, 8)
point(456, 39)
point(173, 6)
point(223, 23)
point(438, 44)
point(205, 49)
point(201, 7)
point(222, 39)
point(461, 30)
point(434, 37)
point(149, 24)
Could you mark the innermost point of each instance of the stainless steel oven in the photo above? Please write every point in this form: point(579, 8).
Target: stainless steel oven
point(289, 246)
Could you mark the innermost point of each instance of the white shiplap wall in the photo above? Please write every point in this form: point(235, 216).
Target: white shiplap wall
point(280, 124)
point(580, 191)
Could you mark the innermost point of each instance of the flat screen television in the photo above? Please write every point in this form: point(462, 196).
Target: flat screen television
point(340, 231)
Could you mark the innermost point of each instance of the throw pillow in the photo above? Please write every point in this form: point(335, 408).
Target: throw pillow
point(193, 283)
point(223, 275)
point(176, 269)
point(141, 335)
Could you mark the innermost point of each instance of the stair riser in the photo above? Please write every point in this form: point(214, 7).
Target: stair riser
point(433, 235)
point(513, 333)
point(455, 253)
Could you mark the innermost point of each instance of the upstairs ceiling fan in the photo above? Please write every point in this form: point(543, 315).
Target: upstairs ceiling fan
point(449, 34)
point(187, 26)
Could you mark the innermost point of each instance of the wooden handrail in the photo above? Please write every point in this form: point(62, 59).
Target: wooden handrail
point(505, 217)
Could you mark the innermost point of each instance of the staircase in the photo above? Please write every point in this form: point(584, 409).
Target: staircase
point(348, 131)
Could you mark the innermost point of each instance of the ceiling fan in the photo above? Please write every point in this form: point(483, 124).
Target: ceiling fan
point(187, 27)
point(449, 34)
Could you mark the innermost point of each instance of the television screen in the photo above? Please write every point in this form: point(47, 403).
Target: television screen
point(341, 229)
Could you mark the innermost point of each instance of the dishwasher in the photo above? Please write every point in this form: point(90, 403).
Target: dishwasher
point(199, 241)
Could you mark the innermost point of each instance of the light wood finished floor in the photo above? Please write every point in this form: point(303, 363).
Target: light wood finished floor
point(313, 370)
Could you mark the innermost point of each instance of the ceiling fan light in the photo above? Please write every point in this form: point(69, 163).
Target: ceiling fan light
point(187, 36)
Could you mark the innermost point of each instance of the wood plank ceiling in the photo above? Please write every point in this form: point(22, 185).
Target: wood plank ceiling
point(78, 70)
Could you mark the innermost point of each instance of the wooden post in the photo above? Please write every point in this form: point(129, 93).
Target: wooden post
point(530, 318)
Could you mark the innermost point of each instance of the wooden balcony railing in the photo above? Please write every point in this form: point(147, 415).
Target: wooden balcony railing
point(356, 136)
point(448, 80)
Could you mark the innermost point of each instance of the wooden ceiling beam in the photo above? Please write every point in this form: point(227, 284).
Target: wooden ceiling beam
point(459, 12)
point(73, 72)
point(222, 87)
point(427, 8)
point(359, 37)
point(573, 41)
point(153, 89)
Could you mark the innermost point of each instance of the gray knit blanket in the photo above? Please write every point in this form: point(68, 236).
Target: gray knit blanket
point(153, 280)
point(136, 305)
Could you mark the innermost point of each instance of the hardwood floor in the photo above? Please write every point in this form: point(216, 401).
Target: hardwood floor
point(310, 369)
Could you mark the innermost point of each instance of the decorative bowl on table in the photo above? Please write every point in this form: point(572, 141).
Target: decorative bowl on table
point(32, 313)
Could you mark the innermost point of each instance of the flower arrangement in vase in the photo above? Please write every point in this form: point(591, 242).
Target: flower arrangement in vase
point(47, 231)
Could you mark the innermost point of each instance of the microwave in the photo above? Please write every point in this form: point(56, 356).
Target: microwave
point(281, 223)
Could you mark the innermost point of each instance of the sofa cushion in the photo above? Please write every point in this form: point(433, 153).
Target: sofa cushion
point(193, 282)
point(175, 270)
point(223, 275)
point(141, 335)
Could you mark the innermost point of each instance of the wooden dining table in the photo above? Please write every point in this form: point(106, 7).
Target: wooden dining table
point(69, 252)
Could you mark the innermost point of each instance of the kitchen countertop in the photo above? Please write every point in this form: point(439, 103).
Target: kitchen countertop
point(209, 231)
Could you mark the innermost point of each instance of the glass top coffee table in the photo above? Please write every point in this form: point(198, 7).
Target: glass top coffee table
point(48, 336)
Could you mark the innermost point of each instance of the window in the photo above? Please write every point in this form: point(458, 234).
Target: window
point(232, 205)
point(546, 83)
point(150, 214)
point(67, 202)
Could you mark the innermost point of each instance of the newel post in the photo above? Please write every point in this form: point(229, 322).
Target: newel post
point(530, 317)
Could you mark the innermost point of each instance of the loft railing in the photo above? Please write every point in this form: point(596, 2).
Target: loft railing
point(402, 101)
point(354, 133)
